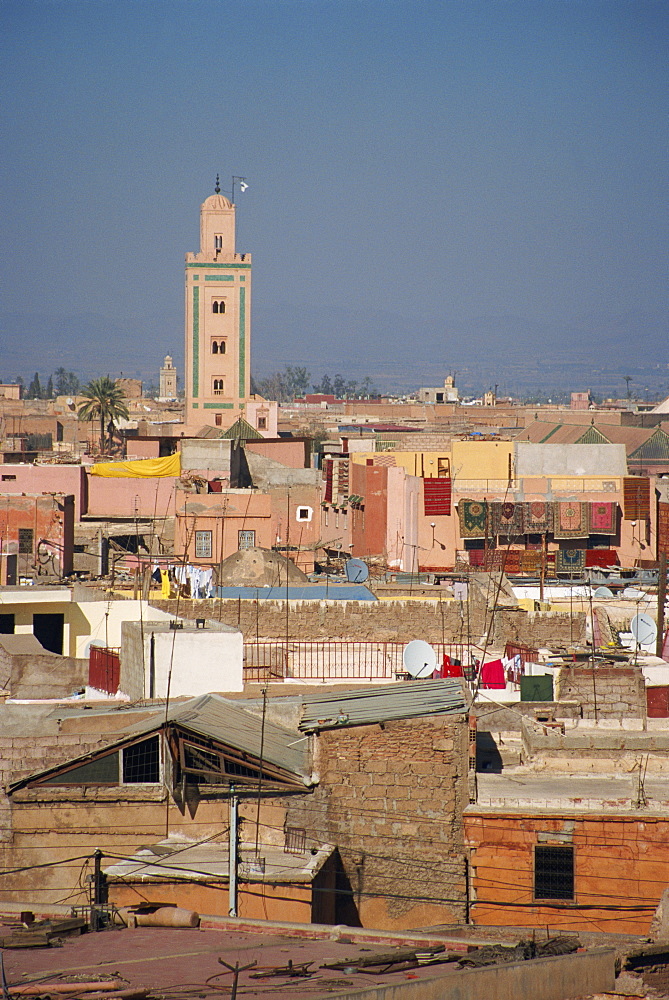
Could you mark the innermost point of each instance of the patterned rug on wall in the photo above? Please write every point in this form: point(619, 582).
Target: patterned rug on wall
point(473, 516)
point(538, 517)
point(570, 561)
point(604, 518)
point(507, 518)
point(572, 519)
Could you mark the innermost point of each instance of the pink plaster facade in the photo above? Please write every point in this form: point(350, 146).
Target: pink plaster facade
point(288, 451)
point(131, 497)
point(26, 478)
point(208, 525)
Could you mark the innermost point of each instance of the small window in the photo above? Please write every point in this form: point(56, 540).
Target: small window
point(218, 419)
point(203, 544)
point(304, 513)
point(553, 872)
point(262, 423)
point(7, 479)
point(218, 242)
point(26, 541)
point(141, 763)
point(246, 539)
point(218, 306)
point(218, 347)
point(214, 345)
point(218, 387)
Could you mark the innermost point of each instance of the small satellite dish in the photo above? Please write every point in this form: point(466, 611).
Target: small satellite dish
point(603, 592)
point(632, 594)
point(419, 658)
point(644, 629)
point(356, 571)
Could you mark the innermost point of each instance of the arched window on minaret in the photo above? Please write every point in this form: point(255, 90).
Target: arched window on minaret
point(214, 347)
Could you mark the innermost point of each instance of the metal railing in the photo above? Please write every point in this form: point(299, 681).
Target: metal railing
point(331, 660)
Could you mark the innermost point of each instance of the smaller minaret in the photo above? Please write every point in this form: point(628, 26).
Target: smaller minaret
point(168, 379)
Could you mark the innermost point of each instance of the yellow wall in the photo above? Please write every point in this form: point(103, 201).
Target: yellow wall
point(481, 459)
point(415, 463)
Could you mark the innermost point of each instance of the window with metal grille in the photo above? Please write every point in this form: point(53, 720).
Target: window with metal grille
point(26, 541)
point(246, 539)
point(553, 872)
point(296, 840)
point(141, 762)
point(203, 544)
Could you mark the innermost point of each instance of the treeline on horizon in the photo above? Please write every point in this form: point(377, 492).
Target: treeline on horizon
point(294, 382)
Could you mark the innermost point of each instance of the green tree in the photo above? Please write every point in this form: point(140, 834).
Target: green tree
point(67, 383)
point(49, 389)
point(104, 402)
point(35, 388)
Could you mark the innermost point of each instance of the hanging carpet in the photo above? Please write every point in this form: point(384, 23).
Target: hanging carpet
point(603, 518)
point(473, 516)
point(437, 497)
point(507, 518)
point(572, 519)
point(570, 560)
point(538, 517)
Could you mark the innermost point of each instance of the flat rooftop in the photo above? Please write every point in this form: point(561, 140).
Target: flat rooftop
point(523, 789)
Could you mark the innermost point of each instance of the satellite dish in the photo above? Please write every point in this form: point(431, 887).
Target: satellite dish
point(356, 571)
point(633, 594)
point(644, 629)
point(419, 658)
point(603, 592)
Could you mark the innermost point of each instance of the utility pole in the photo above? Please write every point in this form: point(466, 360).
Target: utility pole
point(661, 598)
point(232, 854)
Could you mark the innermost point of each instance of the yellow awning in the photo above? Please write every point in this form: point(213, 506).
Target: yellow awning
point(145, 468)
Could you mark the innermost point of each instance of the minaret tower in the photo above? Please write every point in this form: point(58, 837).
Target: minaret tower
point(168, 379)
point(218, 320)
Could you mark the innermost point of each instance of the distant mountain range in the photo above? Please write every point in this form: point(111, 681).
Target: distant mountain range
point(400, 354)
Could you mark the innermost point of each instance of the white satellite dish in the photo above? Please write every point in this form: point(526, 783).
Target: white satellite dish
point(603, 592)
point(644, 629)
point(419, 658)
point(632, 594)
point(356, 571)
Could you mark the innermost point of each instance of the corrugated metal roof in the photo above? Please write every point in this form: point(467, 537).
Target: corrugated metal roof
point(214, 717)
point(402, 700)
point(210, 715)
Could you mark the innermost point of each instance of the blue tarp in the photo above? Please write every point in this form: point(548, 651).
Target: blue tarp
point(316, 592)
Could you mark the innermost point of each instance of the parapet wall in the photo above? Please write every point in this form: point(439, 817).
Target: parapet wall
point(383, 621)
point(604, 692)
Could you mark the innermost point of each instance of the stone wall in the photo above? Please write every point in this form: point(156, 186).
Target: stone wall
point(391, 798)
point(611, 692)
point(384, 621)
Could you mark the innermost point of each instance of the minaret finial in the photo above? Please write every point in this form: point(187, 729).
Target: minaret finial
point(217, 189)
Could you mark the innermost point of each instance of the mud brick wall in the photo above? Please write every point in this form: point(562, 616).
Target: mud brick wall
point(391, 798)
point(553, 629)
point(383, 621)
point(620, 692)
point(24, 755)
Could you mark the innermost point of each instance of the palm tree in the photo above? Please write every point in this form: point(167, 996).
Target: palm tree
point(104, 402)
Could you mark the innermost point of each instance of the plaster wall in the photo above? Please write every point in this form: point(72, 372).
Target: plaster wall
point(24, 478)
point(620, 866)
point(129, 497)
point(570, 459)
point(191, 661)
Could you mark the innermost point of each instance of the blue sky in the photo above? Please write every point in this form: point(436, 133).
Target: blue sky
point(432, 185)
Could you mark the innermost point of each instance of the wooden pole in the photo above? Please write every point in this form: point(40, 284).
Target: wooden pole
point(661, 598)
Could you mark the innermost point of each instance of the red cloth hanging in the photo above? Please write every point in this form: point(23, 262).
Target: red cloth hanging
point(492, 675)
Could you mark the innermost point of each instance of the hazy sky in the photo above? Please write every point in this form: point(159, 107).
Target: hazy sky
point(426, 179)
